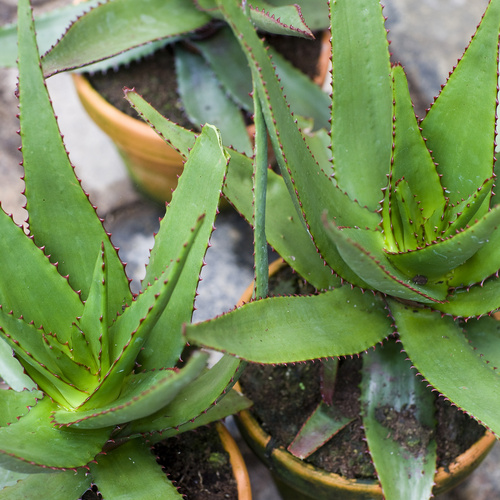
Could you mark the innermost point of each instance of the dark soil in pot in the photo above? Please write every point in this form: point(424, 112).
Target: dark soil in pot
point(155, 79)
point(295, 392)
point(198, 465)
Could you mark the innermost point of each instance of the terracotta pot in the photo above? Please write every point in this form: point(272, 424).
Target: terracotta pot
point(298, 480)
point(237, 463)
point(154, 166)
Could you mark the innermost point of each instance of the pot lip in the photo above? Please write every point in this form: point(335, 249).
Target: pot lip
point(238, 465)
point(471, 456)
point(87, 93)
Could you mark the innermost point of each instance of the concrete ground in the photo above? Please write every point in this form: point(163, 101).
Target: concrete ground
point(427, 37)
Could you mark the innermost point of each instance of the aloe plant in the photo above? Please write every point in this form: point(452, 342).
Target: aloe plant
point(210, 64)
point(394, 221)
point(93, 374)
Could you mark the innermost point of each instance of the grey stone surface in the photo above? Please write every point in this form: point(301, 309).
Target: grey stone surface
point(427, 37)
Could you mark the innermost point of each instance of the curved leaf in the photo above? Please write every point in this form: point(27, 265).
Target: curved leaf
point(54, 484)
point(340, 322)
point(142, 395)
point(124, 462)
point(463, 142)
point(57, 206)
point(119, 25)
point(54, 448)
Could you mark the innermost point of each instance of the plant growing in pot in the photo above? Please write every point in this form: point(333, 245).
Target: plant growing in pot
point(394, 222)
point(198, 60)
point(92, 375)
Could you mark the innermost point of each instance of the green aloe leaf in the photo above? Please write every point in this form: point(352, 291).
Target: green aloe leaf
point(58, 208)
point(29, 266)
point(49, 28)
point(484, 334)
point(60, 484)
point(412, 160)
point(141, 395)
point(69, 448)
point(192, 400)
point(24, 339)
point(232, 402)
point(454, 369)
point(398, 418)
point(124, 462)
point(113, 27)
point(289, 329)
point(363, 251)
point(131, 330)
point(362, 88)
point(463, 142)
point(206, 167)
point(321, 426)
point(283, 20)
point(205, 100)
point(14, 405)
point(436, 260)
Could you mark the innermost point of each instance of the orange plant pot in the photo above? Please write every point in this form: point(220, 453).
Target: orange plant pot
point(298, 480)
point(237, 463)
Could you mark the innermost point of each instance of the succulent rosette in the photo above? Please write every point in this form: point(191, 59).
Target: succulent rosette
point(93, 374)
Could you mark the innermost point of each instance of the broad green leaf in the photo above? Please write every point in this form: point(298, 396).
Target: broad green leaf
point(119, 25)
point(484, 336)
point(363, 251)
point(320, 427)
point(287, 329)
point(192, 400)
point(11, 371)
point(57, 206)
point(462, 143)
point(362, 100)
point(142, 395)
point(204, 100)
point(476, 300)
point(14, 405)
point(37, 292)
point(69, 484)
point(124, 462)
point(404, 454)
point(33, 442)
point(454, 369)
point(49, 28)
point(198, 192)
point(315, 12)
